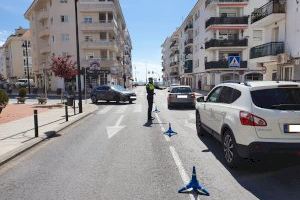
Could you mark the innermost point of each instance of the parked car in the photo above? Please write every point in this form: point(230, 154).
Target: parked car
point(112, 93)
point(24, 83)
point(251, 118)
point(172, 86)
point(181, 96)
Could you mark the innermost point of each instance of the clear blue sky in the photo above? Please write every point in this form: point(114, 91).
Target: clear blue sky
point(149, 23)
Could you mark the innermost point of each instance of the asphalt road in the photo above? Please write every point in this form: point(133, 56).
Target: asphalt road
point(114, 154)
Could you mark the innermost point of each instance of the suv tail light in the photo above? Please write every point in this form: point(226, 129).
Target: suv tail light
point(248, 119)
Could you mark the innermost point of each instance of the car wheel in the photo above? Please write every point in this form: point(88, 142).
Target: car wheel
point(199, 128)
point(118, 99)
point(231, 155)
point(130, 102)
point(169, 107)
point(94, 99)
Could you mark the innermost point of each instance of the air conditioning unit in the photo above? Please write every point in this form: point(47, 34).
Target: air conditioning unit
point(282, 58)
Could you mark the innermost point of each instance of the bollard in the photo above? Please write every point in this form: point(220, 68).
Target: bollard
point(67, 115)
point(36, 123)
point(74, 107)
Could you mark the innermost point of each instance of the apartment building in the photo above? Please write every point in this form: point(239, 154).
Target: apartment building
point(262, 34)
point(3, 63)
point(276, 43)
point(104, 41)
point(15, 53)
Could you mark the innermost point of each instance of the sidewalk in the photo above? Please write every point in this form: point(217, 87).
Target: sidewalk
point(18, 136)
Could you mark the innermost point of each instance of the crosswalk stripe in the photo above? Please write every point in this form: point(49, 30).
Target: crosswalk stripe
point(105, 110)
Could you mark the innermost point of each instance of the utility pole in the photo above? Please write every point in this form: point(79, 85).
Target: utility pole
point(25, 44)
point(78, 59)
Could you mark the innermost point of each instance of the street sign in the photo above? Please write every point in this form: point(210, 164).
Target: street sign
point(234, 61)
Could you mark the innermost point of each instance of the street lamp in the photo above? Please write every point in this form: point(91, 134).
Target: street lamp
point(78, 60)
point(25, 45)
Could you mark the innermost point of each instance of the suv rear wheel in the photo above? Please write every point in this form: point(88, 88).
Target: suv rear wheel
point(94, 100)
point(199, 128)
point(231, 155)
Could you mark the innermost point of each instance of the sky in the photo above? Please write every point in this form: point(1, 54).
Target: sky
point(149, 23)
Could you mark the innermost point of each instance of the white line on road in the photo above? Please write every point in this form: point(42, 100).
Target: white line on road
point(104, 110)
point(113, 130)
point(185, 178)
point(120, 120)
point(162, 127)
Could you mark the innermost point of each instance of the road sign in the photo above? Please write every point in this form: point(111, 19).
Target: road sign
point(234, 61)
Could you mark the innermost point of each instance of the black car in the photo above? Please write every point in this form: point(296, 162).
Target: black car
point(112, 93)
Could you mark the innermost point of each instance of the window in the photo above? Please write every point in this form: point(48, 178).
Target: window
point(63, 1)
point(277, 98)
point(65, 37)
point(64, 18)
point(183, 90)
point(88, 38)
point(213, 97)
point(88, 20)
point(229, 95)
point(254, 77)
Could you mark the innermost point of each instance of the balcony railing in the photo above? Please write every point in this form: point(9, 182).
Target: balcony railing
point(269, 49)
point(173, 64)
point(226, 43)
point(173, 73)
point(188, 41)
point(188, 66)
point(223, 64)
point(174, 44)
point(174, 53)
point(189, 26)
point(273, 7)
point(226, 21)
point(207, 2)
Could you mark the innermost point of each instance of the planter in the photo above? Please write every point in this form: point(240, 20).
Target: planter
point(42, 100)
point(21, 100)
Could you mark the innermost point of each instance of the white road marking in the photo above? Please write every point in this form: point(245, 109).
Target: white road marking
point(138, 108)
point(162, 127)
point(104, 110)
point(113, 130)
point(189, 125)
point(185, 178)
point(122, 109)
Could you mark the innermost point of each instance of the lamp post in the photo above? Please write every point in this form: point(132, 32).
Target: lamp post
point(25, 45)
point(78, 60)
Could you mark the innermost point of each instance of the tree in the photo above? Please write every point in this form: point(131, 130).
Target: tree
point(64, 67)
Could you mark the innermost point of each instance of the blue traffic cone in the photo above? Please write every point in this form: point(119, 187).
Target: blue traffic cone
point(170, 132)
point(156, 110)
point(194, 185)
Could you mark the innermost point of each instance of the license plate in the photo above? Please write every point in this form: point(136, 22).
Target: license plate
point(288, 128)
point(132, 97)
point(182, 97)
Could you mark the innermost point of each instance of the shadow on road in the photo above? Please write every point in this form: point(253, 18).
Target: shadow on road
point(273, 177)
point(182, 108)
point(113, 103)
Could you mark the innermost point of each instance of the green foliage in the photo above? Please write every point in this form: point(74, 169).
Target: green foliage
point(22, 92)
point(3, 97)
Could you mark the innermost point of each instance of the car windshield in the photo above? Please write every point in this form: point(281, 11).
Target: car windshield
point(181, 90)
point(118, 88)
point(277, 98)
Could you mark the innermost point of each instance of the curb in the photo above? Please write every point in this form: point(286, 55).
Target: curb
point(16, 152)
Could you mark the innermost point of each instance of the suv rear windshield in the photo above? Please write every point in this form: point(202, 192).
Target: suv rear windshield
point(277, 98)
point(181, 90)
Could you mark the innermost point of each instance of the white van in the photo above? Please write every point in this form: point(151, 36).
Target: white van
point(24, 83)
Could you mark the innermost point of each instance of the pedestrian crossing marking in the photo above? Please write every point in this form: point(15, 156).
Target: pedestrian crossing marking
point(122, 109)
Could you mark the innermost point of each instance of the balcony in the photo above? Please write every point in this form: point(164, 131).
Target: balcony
point(45, 50)
point(241, 22)
point(174, 53)
point(188, 42)
point(172, 64)
point(99, 44)
point(174, 44)
point(188, 66)
point(45, 32)
point(267, 52)
point(100, 25)
point(214, 43)
point(174, 73)
point(43, 15)
point(268, 14)
point(96, 6)
point(189, 27)
point(231, 2)
point(104, 62)
point(223, 64)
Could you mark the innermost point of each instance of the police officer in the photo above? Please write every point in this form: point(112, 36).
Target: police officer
point(150, 96)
